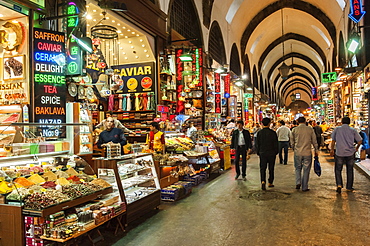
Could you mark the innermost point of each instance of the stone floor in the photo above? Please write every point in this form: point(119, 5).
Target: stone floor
point(223, 211)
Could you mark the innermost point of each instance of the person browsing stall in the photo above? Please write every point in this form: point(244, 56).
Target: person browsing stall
point(111, 135)
point(155, 138)
point(241, 142)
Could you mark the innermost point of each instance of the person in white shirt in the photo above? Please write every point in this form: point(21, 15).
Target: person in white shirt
point(191, 129)
point(231, 126)
point(283, 133)
point(117, 123)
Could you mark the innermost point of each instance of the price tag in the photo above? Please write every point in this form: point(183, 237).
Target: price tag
point(81, 180)
point(32, 173)
point(43, 190)
point(94, 176)
point(68, 166)
point(32, 165)
point(1, 179)
point(17, 174)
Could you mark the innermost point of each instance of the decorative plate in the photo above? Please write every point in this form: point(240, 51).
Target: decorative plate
point(72, 89)
point(81, 91)
point(89, 93)
point(198, 93)
point(87, 79)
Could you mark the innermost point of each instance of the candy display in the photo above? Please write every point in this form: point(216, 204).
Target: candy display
point(179, 144)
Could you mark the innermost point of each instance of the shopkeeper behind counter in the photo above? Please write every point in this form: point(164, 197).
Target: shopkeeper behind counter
point(155, 138)
point(117, 123)
point(111, 135)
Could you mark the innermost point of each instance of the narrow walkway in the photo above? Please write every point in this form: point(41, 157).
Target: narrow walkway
point(228, 212)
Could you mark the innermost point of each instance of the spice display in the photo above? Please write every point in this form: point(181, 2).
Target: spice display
point(71, 192)
point(43, 200)
point(85, 177)
point(74, 179)
point(11, 173)
point(49, 185)
point(94, 187)
point(36, 169)
point(18, 194)
point(62, 181)
point(49, 176)
point(23, 172)
point(4, 187)
point(71, 171)
point(37, 179)
point(23, 182)
point(83, 189)
point(101, 182)
point(61, 174)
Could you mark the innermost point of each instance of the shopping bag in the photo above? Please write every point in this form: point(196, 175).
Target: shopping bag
point(316, 166)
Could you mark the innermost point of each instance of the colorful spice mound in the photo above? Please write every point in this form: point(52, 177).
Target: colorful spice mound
point(24, 182)
point(37, 179)
point(49, 185)
point(101, 182)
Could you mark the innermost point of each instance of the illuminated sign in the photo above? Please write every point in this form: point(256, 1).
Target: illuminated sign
point(227, 86)
point(217, 83)
point(328, 77)
point(218, 103)
point(298, 96)
point(315, 95)
point(179, 67)
point(136, 77)
point(356, 13)
point(74, 52)
point(49, 82)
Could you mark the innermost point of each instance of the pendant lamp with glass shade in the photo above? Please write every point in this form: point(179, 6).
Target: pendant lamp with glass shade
point(283, 69)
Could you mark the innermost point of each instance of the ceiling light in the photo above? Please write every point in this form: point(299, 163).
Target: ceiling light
point(118, 24)
point(249, 89)
point(94, 10)
point(140, 40)
point(89, 17)
point(128, 30)
point(147, 55)
point(143, 45)
point(113, 21)
point(220, 70)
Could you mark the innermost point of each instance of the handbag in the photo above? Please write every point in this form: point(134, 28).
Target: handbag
point(316, 166)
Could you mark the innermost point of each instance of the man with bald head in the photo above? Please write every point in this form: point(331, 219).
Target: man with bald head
point(111, 134)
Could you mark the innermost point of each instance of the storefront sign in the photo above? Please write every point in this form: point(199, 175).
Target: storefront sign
point(328, 77)
point(315, 95)
point(248, 95)
point(356, 13)
point(217, 83)
point(199, 66)
point(218, 103)
point(227, 86)
point(49, 81)
point(136, 77)
point(74, 52)
point(179, 67)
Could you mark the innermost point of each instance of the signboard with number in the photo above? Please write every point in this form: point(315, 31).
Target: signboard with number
point(328, 77)
point(49, 81)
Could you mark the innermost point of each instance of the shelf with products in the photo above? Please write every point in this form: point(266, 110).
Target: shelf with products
point(135, 179)
point(81, 136)
point(37, 196)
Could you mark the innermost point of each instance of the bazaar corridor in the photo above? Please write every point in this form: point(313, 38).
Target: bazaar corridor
point(228, 212)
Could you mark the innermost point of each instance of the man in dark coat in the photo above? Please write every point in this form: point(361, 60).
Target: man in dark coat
point(241, 142)
point(267, 147)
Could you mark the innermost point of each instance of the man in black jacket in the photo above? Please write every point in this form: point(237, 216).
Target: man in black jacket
point(241, 142)
point(267, 149)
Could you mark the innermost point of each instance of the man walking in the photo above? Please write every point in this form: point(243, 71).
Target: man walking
point(345, 137)
point(267, 149)
point(241, 142)
point(303, 137)
point(318, 131)
point(283, 134)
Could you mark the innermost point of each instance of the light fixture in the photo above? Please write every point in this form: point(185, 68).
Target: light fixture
point(353, 43)
point(283, 69)
point(115, 6)
point(186, 57)
point(104, 31)
point(220, 70)
point(239, 83)
point(85, 43)
point(249, 89)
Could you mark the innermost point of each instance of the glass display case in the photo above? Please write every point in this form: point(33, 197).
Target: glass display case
point(135, 179)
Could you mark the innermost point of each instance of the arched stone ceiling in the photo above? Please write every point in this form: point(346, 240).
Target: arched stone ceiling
point(310, 37)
